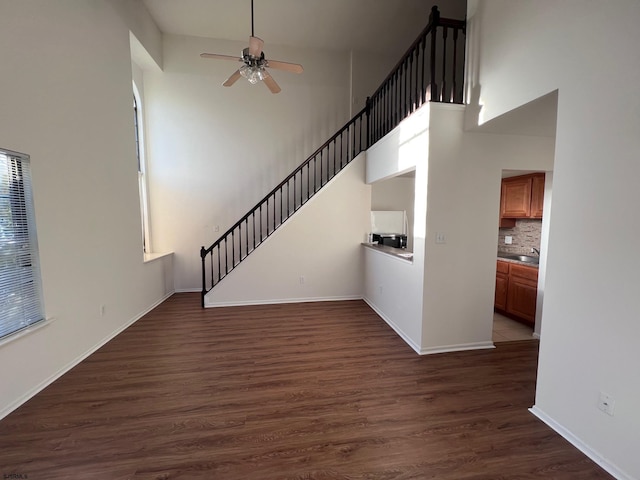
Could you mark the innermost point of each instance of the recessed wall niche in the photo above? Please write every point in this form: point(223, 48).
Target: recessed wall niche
point(396, 193)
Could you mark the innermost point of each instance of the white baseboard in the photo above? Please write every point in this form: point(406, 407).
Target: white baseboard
point(395, 327)
point(242, 303)
point(580, 445)
point(42, 385)
point(457, 348)
point(429, 350)
point(188, 290)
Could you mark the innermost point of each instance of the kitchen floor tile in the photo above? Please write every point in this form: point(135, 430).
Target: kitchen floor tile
point(497, 337)
point(507, 330)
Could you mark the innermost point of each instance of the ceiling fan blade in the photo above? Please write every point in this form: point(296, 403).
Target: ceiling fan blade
point(271, 84)
point(289, 67)
point(232, 79)
point(255, 46)
point(219, 57)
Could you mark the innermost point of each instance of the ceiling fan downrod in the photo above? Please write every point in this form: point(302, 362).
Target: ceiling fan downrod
point(252, 19)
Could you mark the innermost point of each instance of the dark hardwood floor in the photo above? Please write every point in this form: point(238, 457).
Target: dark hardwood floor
point(298, 391)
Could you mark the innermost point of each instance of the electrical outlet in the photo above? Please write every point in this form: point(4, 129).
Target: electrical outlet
point(103, 310)
point(606, 403)
point(216, 228)
point(440, 237)
point(508, 240)
point(301, 280)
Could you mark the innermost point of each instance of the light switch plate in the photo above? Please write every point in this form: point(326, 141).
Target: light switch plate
point(508, 240)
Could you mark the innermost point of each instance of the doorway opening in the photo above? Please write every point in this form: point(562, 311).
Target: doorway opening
point(525, 198)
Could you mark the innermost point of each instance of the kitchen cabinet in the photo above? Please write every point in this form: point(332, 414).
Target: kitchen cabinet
point(516, 197)
point(521, 197)
point(537, 195)
point(502, 279)
point(516, 291)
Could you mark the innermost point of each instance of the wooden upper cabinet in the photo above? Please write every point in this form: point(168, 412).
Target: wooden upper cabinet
point(522, 197)
point(537, 195)
point(516, 197)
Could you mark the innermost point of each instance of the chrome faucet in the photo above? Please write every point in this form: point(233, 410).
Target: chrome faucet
point(535, 250)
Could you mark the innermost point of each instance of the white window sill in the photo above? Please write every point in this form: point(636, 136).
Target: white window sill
point(26, 331)
point(150, 257)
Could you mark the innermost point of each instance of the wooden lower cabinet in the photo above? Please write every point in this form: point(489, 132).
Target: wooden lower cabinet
point(516, 291)
point(521, 299)
point(502, 279)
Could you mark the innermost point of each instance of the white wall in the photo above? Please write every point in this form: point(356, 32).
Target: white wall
point(321, 242)
point(393, 286)
point(136, 17)
point(214, 152)
point(458, 289)
point(443, 301)
point(368, 71)
point(463, 197)
point(67, 103)
point(590, 325)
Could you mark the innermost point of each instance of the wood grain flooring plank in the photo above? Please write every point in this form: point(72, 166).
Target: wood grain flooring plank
point(298, 391)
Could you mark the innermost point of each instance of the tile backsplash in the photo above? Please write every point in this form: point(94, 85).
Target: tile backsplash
point(526, 234)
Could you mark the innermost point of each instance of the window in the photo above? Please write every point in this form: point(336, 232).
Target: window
point(142, 182)
point(20, 285)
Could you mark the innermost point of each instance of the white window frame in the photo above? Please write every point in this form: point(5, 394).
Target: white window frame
point(21, 299)
point(142, 170)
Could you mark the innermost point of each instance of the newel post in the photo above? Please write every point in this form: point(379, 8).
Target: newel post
point(203, 254)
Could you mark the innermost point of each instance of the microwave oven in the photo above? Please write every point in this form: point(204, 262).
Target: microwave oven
point(390, 239)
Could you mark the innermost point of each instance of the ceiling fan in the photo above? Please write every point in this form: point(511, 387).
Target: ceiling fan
point(254, 64)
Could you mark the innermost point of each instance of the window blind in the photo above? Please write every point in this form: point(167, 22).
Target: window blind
point(20, 284)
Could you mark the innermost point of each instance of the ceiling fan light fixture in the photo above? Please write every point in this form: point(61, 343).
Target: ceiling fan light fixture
point(244, 71)
point(253, 73)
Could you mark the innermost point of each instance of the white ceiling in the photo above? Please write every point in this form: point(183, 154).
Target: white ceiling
point(374, 25)
point(385, 26)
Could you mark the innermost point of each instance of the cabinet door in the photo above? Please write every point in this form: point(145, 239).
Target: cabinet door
point(537, 195)
point(525, 272)
point(502, 281)
point(521, 298)
point(515, 201)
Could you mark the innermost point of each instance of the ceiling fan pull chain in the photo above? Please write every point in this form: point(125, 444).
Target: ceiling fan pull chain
point(252, 19)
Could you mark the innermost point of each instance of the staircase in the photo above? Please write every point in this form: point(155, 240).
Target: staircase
point(432, 70)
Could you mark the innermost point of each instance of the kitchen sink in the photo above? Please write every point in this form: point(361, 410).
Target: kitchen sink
point(522, 258)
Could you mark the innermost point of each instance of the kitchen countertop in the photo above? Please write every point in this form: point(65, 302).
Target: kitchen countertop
point(519, 262)
point(400, 253)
